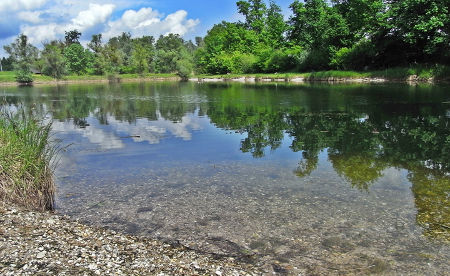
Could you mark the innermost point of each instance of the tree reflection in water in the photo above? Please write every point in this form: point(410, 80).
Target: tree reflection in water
point(362, 139)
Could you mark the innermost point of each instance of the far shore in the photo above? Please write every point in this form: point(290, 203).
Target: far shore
point(248, 78)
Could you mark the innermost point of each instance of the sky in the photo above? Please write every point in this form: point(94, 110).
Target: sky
point(45, 20)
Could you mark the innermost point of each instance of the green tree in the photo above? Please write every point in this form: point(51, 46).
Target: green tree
point(96, 43)
point(54, 62)
point(276, 26)
point(72, 37)
point(168, 52)
point(139, 58)
point(98, 60)
point(23, 55)
point(364, 17)
point(124, 44)
point(254, 12)
point(113, 58)
point(77, 58)
point(142, 54)
point(425, 26)
point(7, 64)
point(222, 42)
point(318, 28)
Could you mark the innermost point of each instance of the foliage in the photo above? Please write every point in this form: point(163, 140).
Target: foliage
point(72, 37)
point(77, 58)
point(25, 161)
point(7, 64)
point(53, 58)
point(319, 35)
point(23, 54)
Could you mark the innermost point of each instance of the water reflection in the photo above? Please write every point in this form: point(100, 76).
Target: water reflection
point(375, 139)
point(363, 133)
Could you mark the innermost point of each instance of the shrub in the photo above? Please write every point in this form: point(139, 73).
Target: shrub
point(184, 69)
point(358, 57)
point(312, 60)
point(26, 155)
point(24, 76)
point(243, 63)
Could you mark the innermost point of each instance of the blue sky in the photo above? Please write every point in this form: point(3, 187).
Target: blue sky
point(45, 20)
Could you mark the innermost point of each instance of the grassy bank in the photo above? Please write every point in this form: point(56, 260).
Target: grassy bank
point(417, 73)
point(9, 77)
point(25, 162)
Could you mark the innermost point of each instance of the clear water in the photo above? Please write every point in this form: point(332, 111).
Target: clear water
point(313, 179)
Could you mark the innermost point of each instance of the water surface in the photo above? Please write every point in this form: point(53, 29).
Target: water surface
point(313, 179)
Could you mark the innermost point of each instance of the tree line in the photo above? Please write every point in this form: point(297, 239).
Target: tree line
point(319, 35)
point(120, 55)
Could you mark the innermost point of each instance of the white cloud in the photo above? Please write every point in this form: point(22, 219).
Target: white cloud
point(30, 16)
point(86, 19)
point(45, 20)
point(150, 22)
point(96, 14)
point(14, 5)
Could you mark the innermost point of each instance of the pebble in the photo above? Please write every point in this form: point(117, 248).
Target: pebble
point(68, 247)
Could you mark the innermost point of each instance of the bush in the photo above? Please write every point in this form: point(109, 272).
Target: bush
point(285, 60)
point(220, 64)
point(313, 60)
point(243, 63)
point(277, 62)
point(184, 69)
point(26, 155)
point(340, 58)
point(358, 57)
point(23, 76)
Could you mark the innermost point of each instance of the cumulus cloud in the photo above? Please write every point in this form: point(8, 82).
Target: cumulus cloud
point(147, 21)
point(42, 25)
point(45, 20)
point(15, 5)
point(30, 16)
point(95, 15)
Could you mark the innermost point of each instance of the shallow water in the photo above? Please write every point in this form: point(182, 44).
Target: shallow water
point(313, 179)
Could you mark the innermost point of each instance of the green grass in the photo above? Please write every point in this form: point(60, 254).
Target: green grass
point(8, 76)
point(423, 73)
point(336, 74)
point(439, 72)
point(26, 156)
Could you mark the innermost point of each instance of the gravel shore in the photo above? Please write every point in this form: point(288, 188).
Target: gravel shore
point(33, 243)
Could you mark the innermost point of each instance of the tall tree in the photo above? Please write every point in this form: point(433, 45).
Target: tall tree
point(143, 53)
point(23, 55)
point(53, 58)
point(254, 12)
point(96, 43)
point(276, 26)
point(98, 62)
point(318, 28)
point(77, 59)
point(72, 37)
point(425, 26)
point(363, 17)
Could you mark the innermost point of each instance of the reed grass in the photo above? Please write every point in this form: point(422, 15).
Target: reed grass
point(27, 159)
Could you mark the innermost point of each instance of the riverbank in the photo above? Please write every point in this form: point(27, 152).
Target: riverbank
point(405, 75)
point(44, 243)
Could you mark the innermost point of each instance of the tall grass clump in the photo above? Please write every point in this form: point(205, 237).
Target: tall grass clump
point(26, 158)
